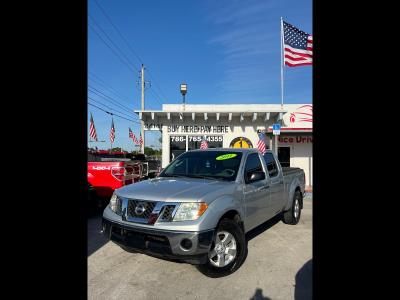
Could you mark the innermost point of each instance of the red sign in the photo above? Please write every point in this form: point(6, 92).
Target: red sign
point(295, 139)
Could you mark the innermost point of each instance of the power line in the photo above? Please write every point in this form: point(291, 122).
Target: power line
point(108, 107)
point(157, 96)
point(110, 113)
point(96, 91)
point(109, 97)
point(116, 29)
point(104, 98)
point(128, 44)
point(116, 46)
point(109, 88)
point(159, 89)
point(116, 53)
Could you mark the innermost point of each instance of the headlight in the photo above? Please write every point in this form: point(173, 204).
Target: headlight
point(190, 211)
point(113, 203)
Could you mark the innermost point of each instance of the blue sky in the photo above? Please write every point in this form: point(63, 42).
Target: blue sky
point(227, 51)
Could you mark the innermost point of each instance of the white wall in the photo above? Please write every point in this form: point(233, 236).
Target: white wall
point(247, 129)
point(301, 157)
point(298, 116)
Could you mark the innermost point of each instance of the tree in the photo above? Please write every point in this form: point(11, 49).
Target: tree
point(148, 151)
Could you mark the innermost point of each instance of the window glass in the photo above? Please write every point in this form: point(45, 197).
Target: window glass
point(271, 164)
point(222, 165)
point(213, 141)
point(177, 146)
point(253, 164)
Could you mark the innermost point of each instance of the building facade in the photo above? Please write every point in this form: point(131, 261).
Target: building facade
point(235, 125)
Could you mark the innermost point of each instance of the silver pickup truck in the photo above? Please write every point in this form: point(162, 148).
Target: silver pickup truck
point(201, 205)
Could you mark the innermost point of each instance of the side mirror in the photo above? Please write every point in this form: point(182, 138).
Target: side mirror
point(255, 176)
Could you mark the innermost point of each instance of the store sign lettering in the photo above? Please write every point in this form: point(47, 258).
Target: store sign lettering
point(152, 126)
point(198, 129)
point(295, 139)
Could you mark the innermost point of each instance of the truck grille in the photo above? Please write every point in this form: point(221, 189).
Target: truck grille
point(166, 213)
point(140, 209)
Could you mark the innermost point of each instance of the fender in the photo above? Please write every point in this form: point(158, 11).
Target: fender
point(218, 208)
point(291, 189)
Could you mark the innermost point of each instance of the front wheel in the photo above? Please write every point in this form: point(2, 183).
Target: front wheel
point(292, 216)
point(228, 251)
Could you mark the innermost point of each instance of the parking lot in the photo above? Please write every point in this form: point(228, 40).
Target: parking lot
point(278, 266)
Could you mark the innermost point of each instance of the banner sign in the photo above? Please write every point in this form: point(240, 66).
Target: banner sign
point(188, 128)
point(198, 129)
point(295, 139)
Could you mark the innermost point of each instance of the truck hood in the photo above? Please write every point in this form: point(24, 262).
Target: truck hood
point(176, 189)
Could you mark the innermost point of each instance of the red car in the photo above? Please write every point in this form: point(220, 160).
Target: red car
point(107, 172)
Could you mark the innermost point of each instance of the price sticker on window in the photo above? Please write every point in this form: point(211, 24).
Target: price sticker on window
point(226, 156)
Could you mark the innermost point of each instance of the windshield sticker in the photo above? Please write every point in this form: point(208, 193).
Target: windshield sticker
point(226, 156)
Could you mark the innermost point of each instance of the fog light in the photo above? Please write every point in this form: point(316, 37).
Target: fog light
point(186, 244)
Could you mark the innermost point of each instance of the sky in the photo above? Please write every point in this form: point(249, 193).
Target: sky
point(226, 51)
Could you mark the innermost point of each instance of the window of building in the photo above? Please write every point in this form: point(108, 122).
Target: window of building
point(177, 146)
point(284, 156)
point(214, 141)
point(271, 164)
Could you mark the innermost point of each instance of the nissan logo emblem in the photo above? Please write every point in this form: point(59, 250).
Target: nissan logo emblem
point(140, 209)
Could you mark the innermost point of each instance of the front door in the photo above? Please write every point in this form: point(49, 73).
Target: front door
point(256, 194)
point(284, 156)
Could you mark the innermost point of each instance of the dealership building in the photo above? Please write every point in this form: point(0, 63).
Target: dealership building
point(235, 126)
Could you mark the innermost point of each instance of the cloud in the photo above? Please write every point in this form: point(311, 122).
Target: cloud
point(248, 36)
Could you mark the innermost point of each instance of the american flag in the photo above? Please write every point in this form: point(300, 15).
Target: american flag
point(140, 140)
point(133, 137)
point(112, 132)
point(93, 133)
point(298, 46)
point(203, 144)
point(261, 143)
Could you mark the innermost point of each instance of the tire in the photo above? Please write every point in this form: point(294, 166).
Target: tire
point(228, 229)
point(292, 216)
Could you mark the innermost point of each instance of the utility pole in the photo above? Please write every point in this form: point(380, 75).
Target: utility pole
point(141, 121)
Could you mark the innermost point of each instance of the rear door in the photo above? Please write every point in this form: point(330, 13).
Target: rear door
point(256, 194)
point(276, 182)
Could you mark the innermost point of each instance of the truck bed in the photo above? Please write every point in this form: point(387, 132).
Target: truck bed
point(290, 170)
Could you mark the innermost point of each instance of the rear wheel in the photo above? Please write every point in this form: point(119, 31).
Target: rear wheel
point(228, 251)
point(292, 216)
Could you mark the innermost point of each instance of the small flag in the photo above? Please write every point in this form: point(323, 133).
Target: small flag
point(133, 137)
point(112, 131)
point(203, 144)
point(93, 133)
point(261, 143)
point(140, 140)
point(298, 46)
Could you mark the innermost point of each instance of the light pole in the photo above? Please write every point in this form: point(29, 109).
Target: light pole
point(183, 92)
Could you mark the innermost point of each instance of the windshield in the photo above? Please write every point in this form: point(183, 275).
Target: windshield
point(222, 165)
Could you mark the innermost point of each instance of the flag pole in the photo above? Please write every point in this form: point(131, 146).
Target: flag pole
point(282, 62)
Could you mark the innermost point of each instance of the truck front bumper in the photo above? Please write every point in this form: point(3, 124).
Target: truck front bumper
point(168, 245)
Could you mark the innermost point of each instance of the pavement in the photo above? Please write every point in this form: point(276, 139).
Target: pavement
point(278, 266)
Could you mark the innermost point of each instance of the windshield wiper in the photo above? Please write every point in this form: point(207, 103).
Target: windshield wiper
point(203, 176)
point(172, 175)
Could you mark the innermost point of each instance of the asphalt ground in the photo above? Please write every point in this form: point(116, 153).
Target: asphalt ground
point(278, 266)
